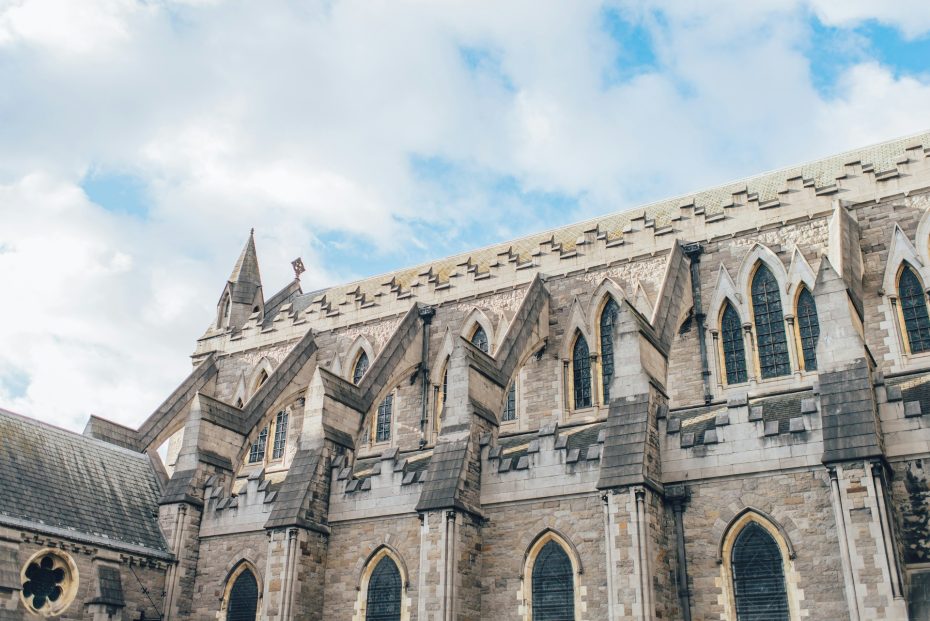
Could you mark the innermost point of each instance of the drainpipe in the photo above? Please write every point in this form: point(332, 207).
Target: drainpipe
point(426, 314)
point(693, 252)
point(678, 495)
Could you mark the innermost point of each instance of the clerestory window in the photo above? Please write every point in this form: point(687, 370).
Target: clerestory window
point(808, 329)
point(608, 319)
point(581, 373)
point(734, 351)
point(913, 302)
point(771, 342)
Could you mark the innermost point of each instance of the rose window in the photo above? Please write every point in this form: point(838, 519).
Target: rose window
point(49, 582)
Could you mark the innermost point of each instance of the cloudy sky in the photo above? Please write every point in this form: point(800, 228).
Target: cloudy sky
point(141, 139)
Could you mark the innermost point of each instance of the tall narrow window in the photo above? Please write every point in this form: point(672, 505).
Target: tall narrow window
point(808, 329)
point(608, 318)
point(257, 452)
point(734, 352)
point(480, 340)
point(758, 576)
point(361, 366)
point(384, 592)
point(553, 585)
point(510, 403)
point(581, 373)
point(383, 420)
point(914, 310)
point(243, 598)
point(280, 435)
point(441, 395)
point(770, 325)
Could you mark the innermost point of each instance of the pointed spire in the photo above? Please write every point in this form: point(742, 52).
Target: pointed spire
point(246, 269)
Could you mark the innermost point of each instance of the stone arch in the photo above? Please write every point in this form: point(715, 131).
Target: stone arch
point(240, 396)
point(371, 563)
point(441, 358)
point(530, 557)
point(800, 273)
point(737, 524)
point(607, 288)
point(922, 241)
point(758, 254)
point(262, 368)
point(475, 318)
point(725, 291)
point(901, 253)
point(359, 345)
point(235, 569)
point(577, 323)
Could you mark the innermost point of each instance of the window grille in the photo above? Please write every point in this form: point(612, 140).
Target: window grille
point(480, 340)
point(581, 373)
point(608, 319)
point(361, 366)
point(384, 592)
point(808, 329)
point(243, 598)
point(510, 405)
point(734, 351)
point(257, 452)
point(914, 311)
point(770, 325)
point(553, 585)
point(383, 422)
point(280, 435)
point(758, 576)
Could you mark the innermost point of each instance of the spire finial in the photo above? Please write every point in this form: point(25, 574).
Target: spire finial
point(298, 265)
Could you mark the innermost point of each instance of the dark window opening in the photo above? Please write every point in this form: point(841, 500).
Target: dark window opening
point(280, 435)
point(553, 585)
point(243, 598)
point(758, 577)
point(383, 422)
point(480, 340)
point(734, 352)
point(770, 325)
point(808, 329)
point(384, 592)
point(361, 367)
point(914, 311)
point(510, 404)
point(581, 373)
point(43, 582)
point(608, 319)
point(257, 452)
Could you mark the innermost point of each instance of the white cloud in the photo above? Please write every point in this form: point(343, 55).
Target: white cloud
point(301, 119)
point(912, 17)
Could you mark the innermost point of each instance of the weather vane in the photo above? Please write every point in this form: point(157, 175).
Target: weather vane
point(298, 265)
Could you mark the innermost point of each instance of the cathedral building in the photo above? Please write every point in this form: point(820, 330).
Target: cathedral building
point(708, 408)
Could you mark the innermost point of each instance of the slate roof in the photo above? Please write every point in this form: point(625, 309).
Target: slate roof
point(914, 389)
point(56, 481)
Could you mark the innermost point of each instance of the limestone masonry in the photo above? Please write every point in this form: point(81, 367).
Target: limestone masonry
point(709, 408)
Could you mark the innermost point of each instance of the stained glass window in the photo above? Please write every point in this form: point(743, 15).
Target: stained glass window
point(758, 577)
point(770, 325)
point(384, 592)
point(383, 422)
point(361, 366)
point(480, 340)
point(280, 435)
point(914, 310)
point(581, 373)
point(553, 585)
point(808, 329)
point(734, 352)
point(608, 318)
point(510, 404)
point(243, 598)
point(257, 452)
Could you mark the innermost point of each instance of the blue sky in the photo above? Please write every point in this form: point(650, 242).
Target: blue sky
point(142, 140)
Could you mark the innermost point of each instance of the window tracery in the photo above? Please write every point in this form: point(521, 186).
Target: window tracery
point(734, 351)
point(771, 341)
point(553, 584)
point(479, 339)
point(581, 373)
point(913, 301)
point(808, 328)
point(384, 592)
point(383, 419)
point(607, 321)
point(361, 367)
point(758, 576)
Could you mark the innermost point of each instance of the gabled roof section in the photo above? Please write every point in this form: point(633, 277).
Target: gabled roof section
point(274, 386)
point(78, 488)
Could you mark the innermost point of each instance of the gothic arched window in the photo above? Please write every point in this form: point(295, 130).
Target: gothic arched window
point(383, 419)
point(914, 311)
point(361, 366)
point(257, 452)
point(243, 598)
point(758, 576)
point(808, 329)
point(384, 592)
point(771, 341)
point(581, 373)
point(553, 585)
point(280, 435)
point(441, 394)
point(479, 339)
point(510, 403)
point(734, 351)
point(608, 319)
